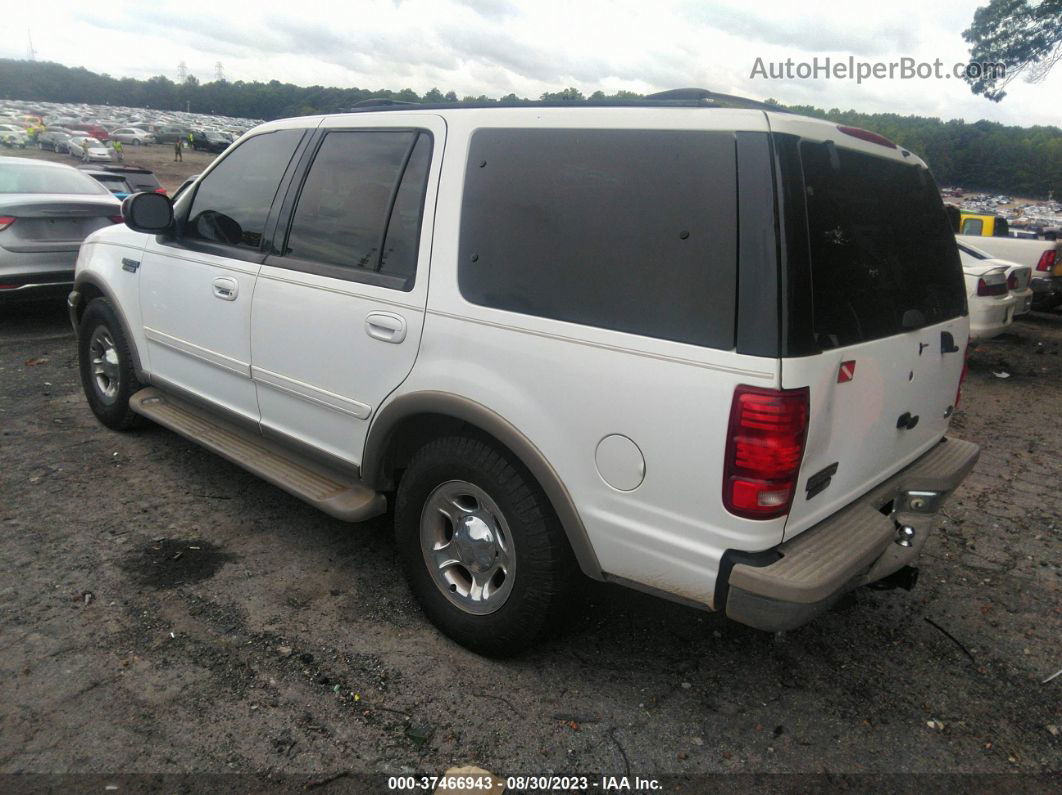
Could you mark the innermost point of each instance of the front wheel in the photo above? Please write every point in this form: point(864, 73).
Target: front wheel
point(106, 363)
point(484, 553)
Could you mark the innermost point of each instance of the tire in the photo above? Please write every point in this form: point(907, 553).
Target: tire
point(136, 142)
point(483, 488)
point(106, 364)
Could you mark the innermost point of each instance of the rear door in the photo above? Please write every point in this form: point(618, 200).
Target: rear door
point(339, 305)
point(887, 316)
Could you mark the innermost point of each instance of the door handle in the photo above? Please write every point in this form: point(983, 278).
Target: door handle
point(385, 326)
point(225, 288)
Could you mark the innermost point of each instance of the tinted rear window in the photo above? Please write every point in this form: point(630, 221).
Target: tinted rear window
point(631, 230)
point(883, 256)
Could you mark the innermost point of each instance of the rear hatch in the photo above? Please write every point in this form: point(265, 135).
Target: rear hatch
point(51, 223)
point(876, 278)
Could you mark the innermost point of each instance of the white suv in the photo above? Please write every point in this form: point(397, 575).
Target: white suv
point(708, 352)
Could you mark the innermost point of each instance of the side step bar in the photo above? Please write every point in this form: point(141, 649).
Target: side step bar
point(337, 494)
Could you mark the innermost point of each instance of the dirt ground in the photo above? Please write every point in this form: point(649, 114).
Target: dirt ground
point(157, 157)
point(163, 612)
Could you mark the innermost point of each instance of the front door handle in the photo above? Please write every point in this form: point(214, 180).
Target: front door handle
point(225, 288)
point(385, 326)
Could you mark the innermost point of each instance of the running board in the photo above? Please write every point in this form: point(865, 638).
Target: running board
point(337, 494)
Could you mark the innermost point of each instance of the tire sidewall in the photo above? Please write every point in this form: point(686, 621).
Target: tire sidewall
point(523, 612)
point(117, 415)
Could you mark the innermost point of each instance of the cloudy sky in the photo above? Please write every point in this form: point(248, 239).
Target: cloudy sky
point(494, 47)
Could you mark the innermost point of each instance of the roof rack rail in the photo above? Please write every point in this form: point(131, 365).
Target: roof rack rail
point(675, 98)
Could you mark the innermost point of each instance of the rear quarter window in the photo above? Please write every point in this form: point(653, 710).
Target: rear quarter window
point(630, 230)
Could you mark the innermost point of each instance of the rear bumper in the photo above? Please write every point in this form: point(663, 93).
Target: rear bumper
point(791, 584)
point(989, 319)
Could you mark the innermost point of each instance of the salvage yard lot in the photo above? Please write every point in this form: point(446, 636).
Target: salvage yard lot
point(163, 611)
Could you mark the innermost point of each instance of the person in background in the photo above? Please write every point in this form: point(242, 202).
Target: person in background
point(190, 141)
point(118, 150)
point(178, 156)
point(84, 150)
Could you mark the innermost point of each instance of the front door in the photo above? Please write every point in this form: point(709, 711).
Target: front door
point(196, 286)
point(338, 311)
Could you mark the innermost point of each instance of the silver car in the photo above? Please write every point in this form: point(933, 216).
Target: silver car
point(46, 210)
point(132, 135)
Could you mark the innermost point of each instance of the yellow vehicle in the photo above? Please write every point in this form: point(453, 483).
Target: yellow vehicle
point(983, 225)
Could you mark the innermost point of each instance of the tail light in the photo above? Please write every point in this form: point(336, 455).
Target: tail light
point(962, 375)
point(867, 135)
point(1012, 281)
point(160, 190)
point(764, 448)
point(985, 289)
point(6, 221)
point(1047, 260)
point(116, 219)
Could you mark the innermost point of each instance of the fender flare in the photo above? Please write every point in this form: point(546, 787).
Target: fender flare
point(388, 419)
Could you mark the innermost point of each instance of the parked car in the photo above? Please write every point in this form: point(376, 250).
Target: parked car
point(12, 136)
point(211, 141)
point(96, 131)
point(85, 148)
point(989, 299)
point(127, 179)
point(56, 139)
point(680, 347)
point(46, 210)
point(132, 135)
point(171, 134)
point(1019, 277)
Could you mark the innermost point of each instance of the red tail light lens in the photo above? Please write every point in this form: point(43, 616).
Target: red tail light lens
point(1012, 281)
point(117, 219)
point(962, 375)
point(1047, 260)
point(764, 448)
point(986, 289)
point(867, 135)
point(160, 190)
point(6, 221)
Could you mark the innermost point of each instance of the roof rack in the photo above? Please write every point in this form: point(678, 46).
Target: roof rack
point(674, 98)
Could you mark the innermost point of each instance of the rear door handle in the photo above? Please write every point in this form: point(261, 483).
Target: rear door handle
point(385, 326)
point(225, 288)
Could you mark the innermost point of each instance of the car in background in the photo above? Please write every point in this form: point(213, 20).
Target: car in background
point(209, 141)
point(11, 136)
point(991, 306)
point(46, 210)
point(171, 134)
point(87, 148)
point(54, 138)
point(123, 181)
point(1019, 277)
point(133, 135)
point(96, 131)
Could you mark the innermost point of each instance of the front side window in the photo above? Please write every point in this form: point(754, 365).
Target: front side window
point(629, 230)
point(359, 210)
point(232, 202)
point(972, 226)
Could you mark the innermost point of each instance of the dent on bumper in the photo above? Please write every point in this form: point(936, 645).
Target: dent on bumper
point(853, 547)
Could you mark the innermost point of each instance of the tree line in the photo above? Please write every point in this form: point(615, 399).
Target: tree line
point(983, 155)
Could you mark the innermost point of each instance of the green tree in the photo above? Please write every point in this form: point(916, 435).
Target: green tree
point(1024, 36)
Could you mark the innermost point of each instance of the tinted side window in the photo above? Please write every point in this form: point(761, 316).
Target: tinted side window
point(232, 202)
point(632, 230)
point(883, 256)
point(359, 181)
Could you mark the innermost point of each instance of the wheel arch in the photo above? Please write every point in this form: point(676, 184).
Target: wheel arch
point(88, 287)
point(409, 421)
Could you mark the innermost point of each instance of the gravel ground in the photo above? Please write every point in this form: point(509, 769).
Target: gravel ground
point(161, 611)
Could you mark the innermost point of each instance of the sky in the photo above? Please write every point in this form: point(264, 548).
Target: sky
point(495, 47)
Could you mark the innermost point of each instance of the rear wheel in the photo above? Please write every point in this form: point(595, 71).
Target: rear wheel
point(106, 363)
point(482, 549)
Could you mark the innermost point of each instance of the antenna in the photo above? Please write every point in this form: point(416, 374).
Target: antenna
point(219, 71)
point(182, 72)
point(32, 52)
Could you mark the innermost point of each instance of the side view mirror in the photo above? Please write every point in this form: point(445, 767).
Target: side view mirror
point(148, 212)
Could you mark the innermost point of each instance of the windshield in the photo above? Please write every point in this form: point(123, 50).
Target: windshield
point(883, 257)
point(18, 178)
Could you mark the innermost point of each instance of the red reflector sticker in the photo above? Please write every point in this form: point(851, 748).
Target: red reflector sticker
point(846, 373)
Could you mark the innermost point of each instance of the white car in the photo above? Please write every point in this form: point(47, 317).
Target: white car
point(89, 149)
point(11, 135)
point(1019, 277)
point(680, 346)
point(133, 135)
point(989, 299)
